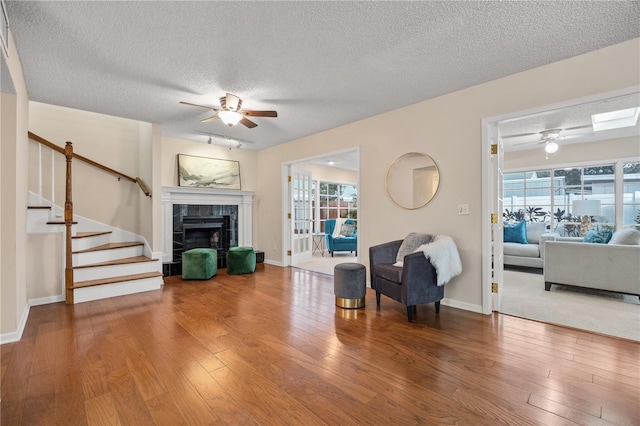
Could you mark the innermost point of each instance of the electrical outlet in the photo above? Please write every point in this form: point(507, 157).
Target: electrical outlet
point(463, 208)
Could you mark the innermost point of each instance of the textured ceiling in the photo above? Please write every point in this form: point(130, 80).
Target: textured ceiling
point(319, 64)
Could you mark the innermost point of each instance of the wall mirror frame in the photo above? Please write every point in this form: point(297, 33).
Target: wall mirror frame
point(412, 180)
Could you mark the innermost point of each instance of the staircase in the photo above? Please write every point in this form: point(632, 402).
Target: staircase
point(107, 262)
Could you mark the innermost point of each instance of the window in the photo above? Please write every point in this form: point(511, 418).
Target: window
point(582, 183)
point(599, 184)
point(527, 195)
point(334, 200)
point(631, 193)
point(548, 195)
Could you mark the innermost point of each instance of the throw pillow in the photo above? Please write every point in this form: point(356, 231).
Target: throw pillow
point(627, 237)
point(535, 231)
point(411, 243)
point(347, 230)
point(515, 233)
point(597, 237)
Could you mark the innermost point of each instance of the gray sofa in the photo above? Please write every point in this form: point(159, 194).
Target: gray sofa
point(611, 267)
point(530, 255)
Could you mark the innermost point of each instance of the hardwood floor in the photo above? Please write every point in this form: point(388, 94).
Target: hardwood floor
point(272, 348)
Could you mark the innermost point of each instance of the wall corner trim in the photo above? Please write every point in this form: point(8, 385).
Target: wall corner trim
point(16, 335)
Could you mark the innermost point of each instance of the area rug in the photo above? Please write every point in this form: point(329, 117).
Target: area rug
point(614, 314)
point(325, 265)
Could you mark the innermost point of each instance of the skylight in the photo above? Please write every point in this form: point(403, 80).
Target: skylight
point(615, 119)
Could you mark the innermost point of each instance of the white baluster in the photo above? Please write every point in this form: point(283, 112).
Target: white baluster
point(52, 213)
point(40, 174)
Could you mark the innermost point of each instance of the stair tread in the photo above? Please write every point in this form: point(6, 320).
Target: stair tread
point(60, 222)
point(110, 246)
point(124, 261)
point(112, 280)
point(39, 207)
point(90, 234)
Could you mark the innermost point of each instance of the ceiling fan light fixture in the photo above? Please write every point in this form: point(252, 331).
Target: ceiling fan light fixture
point(230, 118)
point(551, 147)
point(551, 134)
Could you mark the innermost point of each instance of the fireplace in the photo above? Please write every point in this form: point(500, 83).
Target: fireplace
point(204, 226)
point(199, 217)
point(206, 232)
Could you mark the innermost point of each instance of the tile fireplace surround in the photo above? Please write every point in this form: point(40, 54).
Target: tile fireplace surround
point(202, 196)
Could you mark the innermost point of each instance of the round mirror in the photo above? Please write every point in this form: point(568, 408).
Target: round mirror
point(412, 180)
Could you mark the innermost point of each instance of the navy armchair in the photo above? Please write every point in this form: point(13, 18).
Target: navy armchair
point(341, 243)
point(411, 284)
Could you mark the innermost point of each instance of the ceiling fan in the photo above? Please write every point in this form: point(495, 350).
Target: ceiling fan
point(548, 137)
point(231, 114)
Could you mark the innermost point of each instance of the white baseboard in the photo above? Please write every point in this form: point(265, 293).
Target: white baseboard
point(462, 305)
point(46, 300)
point(16, 335)
point(273, 262)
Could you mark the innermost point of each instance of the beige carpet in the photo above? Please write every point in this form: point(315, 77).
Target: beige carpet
point(603, 312)
point(325, 264)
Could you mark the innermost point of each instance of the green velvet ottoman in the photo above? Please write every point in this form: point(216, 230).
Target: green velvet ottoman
point(199, 264)
point(241, 260)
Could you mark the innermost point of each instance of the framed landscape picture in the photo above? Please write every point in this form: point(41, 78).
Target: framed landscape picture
point(205, 172)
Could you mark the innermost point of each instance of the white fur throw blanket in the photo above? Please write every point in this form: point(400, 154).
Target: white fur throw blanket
point(443, 255)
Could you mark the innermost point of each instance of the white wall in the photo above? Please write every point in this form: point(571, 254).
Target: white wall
point(13, 204)
point(44, 282)
point(156, 186)
point(447, 128)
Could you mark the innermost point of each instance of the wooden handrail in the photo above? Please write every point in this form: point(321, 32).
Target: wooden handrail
point(61, 150)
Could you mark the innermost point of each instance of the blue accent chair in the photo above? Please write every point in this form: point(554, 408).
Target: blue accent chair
point(342, 243)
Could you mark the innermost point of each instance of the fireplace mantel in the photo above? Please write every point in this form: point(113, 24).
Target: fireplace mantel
point(203, 196)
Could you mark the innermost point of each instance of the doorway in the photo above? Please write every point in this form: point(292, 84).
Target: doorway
point(333, 179)
point(526, 134)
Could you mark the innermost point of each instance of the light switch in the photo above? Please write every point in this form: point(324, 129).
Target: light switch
point(463, 208)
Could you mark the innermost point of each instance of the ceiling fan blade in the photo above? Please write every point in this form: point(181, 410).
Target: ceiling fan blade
point(201, 106)
point(213, 117)
point(530, 142)
point(518, 135)
point(586, 126)
point(250, 124)
point(231, 102)
point(253, 113)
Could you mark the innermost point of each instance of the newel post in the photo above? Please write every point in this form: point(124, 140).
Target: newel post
point(68, 222)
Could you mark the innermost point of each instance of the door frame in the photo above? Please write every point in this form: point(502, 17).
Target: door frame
point(488, 178)
point(286, 199)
